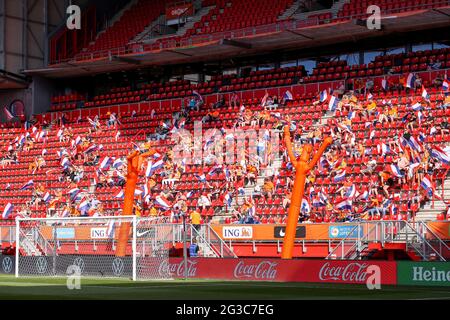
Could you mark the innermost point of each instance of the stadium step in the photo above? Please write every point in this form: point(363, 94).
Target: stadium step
point(291, 10)
point(146, 35)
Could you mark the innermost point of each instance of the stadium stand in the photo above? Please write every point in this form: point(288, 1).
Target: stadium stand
point(388, 118)
point(74, 152)
point(227, 16)
point(128, 26)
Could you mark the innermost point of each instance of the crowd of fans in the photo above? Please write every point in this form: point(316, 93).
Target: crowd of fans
point(384, 171)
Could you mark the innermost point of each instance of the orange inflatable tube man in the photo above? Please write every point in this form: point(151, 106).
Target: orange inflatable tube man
point(135, 160)
point(302, 167)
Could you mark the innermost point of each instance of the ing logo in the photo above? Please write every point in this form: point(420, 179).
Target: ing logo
point(74, 20)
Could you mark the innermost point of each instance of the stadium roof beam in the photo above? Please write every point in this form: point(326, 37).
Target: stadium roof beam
point(235, 43)
point(441, 12)
point(181, 53)
point(126, 60)
point(299, 34)
point(363, 23)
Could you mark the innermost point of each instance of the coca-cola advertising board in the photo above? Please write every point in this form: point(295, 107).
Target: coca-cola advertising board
point(329, 271)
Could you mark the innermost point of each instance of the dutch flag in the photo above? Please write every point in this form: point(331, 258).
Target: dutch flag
point(364, 196)
point(340, 176)
point(384, 84)
point(441, 155)
point(351, 115)
point(324, 162)
point(305, 206)
point(323, 198)
point(8, 113)
point(73, 193)
point(332, 105)
point(423, 137)
point(163, 202)
point(396, 171)
point(120, 195)
point(214, 169)
point(384, 149)
point(118, 163)
point(410, 80)
point(425, 93)
point(65, 163)
point(21, 139)
point(445, 85)
point(138, 192)
point(27, 185)
point(420, 117)
point(351, 192)
point(47, 197)
point(198, 95)
point(157, 165)
point(416, 106)
point(146, 190)
point(65, 213)
point(152, 167)
point(288, 96)
point(202, 177)
point(148, 171)
point(105, 163)
point(60, 132)
point(84, 206)
point(228, 199)
point(344, 205)
point(7, 211)
point(91, 149)
point(41, 135)
point(317, 203)
point(264, 99)
point(426, 184)
point(323, 96)
point(110, 231)
point(414, 144)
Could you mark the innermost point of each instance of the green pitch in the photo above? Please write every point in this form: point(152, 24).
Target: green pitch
point(55, 288)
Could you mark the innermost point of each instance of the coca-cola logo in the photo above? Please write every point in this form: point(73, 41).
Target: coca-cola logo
point(177, 269)
point(266, 270)
point(353, 272)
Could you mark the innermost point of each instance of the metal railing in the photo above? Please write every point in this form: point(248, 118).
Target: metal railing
point(417, 237)
point(208, 238)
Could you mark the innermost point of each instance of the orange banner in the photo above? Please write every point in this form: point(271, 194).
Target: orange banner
point(441, 229)
point(76, 233)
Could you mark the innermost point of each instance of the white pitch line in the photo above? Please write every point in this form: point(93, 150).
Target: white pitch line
point(26, 284)
point(437, 298)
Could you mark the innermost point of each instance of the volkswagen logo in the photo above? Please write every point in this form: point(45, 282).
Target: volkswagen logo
point(117, 267)
point(7, 265)
point(79, 262)
point(41, 265)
